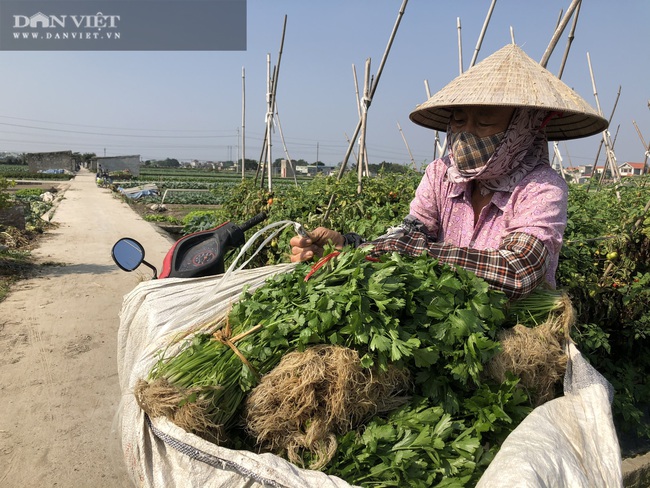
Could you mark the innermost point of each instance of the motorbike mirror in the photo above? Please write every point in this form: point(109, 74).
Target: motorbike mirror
point(128, 254)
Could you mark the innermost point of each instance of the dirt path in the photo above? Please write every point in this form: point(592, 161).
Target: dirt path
point(58, 373)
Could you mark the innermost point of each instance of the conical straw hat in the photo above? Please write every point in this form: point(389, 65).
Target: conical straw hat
point(509, 77)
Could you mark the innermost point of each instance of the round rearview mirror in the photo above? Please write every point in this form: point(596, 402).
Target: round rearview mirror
point(128, 253)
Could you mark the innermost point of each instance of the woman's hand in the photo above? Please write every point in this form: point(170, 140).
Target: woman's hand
point(304, 248)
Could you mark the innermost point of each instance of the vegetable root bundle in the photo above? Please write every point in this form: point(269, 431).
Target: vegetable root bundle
point(310, 397)
point(537, 354)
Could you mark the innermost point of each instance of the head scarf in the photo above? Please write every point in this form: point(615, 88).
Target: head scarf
point(524, 146)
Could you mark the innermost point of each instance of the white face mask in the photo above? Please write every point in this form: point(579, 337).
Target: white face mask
point(470, 153)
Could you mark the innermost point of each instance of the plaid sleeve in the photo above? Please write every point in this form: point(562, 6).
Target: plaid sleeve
point(516, 268)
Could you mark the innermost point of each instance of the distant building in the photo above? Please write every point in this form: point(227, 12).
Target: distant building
point(313, 170)
point(117, 163)
point(51, 160)
point(287, 169)
point(631, 169)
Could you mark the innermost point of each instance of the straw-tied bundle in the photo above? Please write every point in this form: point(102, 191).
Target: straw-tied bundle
point(398, 345)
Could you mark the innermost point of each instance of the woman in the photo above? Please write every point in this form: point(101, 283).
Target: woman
point(493, 205)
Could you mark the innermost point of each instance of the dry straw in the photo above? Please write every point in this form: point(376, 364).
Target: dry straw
point(509, 77)
point(300, 407)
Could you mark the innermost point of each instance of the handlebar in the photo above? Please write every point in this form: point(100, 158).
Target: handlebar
point(252, 222)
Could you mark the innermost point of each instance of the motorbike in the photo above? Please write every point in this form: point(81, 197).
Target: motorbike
point(192, 256)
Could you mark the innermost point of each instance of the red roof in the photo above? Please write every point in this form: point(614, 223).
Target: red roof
point(634, 165)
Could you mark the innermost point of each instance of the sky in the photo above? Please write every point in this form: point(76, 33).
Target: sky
point(189, 104)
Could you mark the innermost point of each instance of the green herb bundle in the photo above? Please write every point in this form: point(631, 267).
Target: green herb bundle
point(439, 323)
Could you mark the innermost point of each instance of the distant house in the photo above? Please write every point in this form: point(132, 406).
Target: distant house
point(117, 163)
point(631, 169)
point(313, 170)
point(51, 160)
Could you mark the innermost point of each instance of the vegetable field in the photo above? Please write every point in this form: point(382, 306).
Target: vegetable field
point(604, 264)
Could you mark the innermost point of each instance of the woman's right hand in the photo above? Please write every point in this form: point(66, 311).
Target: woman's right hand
point(305, 248)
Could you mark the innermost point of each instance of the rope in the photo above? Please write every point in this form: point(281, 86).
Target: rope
point(223, 336)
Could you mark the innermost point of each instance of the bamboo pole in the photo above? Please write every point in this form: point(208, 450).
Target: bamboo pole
point(356, 90)
point(566, 149)
point(269, 126)
point(364, 121)
point(602, 178)
point(558, 32)
point(593, 168)
point(646, 148)
point(261, 166)
point(372, 93)
point(569, 41)
point(460, 47)
point(406, 144)
point(482, 34)
point(356, 158)
point(284, 146)
point(436, 139)
point(602, 140)
point(243, 123)
point(611, 157)
point(364, 154)
point(271, 95)
point(556, 153)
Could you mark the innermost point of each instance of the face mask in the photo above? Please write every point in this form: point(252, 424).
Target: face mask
point(470, 152)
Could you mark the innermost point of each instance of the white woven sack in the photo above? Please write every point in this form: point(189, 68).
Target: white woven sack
point(158, 453)
point(567, 442)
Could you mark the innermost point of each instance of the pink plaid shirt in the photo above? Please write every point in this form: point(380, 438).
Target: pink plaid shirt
point(536, 207)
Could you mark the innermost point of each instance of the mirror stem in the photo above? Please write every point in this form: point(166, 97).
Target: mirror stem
point(155, 271)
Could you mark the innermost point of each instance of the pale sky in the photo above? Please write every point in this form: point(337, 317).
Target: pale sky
point(188, 105)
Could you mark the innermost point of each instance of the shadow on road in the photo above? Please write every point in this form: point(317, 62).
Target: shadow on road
point(68, 269)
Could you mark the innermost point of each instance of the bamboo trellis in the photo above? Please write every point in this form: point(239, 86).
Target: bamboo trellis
point(266, 160)
point(364, 159)
point(365, 103)
point(371, 94)
point(602, 140)
point(609, 150)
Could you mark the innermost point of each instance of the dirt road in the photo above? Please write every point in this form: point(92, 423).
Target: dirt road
point(58, 374)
